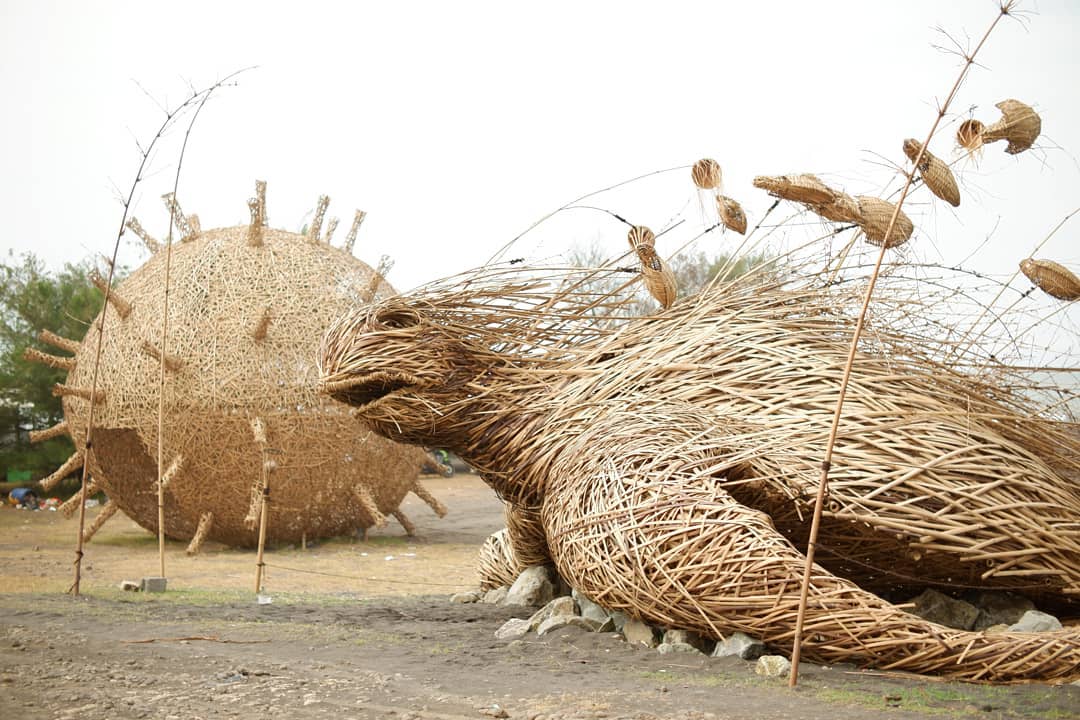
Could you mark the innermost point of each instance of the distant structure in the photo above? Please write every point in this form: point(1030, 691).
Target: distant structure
point(247, 308)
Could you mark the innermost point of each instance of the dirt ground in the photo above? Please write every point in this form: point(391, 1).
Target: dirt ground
point(367, 630)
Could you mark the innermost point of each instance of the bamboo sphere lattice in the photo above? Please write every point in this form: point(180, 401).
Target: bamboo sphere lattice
point(245, 320)
point(673, 458)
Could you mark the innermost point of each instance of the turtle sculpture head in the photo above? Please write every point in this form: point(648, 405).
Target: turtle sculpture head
point(404, 374)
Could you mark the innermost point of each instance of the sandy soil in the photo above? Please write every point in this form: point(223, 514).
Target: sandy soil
point(368, 631)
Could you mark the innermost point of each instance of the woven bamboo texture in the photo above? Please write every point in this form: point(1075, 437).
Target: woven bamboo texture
point(244, 324)
point(706, 174)
point(731, 214)
point(1019, 125)
point(674, 458)
point(934, 172)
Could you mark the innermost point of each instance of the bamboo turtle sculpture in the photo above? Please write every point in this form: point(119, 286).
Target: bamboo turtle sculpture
point(667, 464)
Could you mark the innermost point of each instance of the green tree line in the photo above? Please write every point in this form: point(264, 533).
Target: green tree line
point(33, 299)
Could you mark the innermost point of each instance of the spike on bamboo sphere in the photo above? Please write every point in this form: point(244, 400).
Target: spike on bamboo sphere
point(53, 361)
point(875, 214)
point(56, 341)
point(151, 243)
point(640, 236)
point(731, 214)
point(1052, 278)
point(122, 306)
point(1019, 124)
point(228, 369)
point(60, 428)
point(706, 174)
point(935, 173)
point(314, 233)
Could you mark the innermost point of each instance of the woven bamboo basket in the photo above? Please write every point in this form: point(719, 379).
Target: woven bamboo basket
point(807, 189)
point(1052, 278)
point(935, 173)
point(970, 135)
point(842, 208)
point(658, 276)
point(731, 214)
point(674, 457)
point(640, 236)
point(1020, 125)
point(874, 217)
point(706, 174)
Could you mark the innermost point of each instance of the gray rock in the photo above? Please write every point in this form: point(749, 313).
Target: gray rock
point(686, 637)
point(670, 648)
point(589, 609)
point(535, 586)
point(773, 666)
point(741, 645)
point(496, 596)
point(995, 629)
point(154, 584)
point(1035, 621)
point(607, 626)
point(638, 633)
point(619, 618)
point(469, 596)
point(560, 621)
point(513, 629)
point(938, 608)
point(999, 608)
point(563, 605)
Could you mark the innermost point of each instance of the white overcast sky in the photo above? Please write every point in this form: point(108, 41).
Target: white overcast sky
point(457, 124)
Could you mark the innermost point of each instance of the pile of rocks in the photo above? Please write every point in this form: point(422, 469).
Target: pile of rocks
point(561, 606)
point(988, 611)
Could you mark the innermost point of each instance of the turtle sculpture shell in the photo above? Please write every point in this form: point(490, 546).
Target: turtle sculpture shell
point(667, 464)
point(241, 407)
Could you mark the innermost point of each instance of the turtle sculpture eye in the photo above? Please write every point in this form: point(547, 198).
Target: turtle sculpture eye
point(397, 318)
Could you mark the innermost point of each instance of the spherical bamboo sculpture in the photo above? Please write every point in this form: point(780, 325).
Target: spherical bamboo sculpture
point(668, 464)
point(247, 307)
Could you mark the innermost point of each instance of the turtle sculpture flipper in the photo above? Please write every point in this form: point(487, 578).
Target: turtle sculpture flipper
point(670, 459)
point(647, 530)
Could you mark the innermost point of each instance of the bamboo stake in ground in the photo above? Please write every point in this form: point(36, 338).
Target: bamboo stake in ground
point(264, 512)
point(819, 502)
